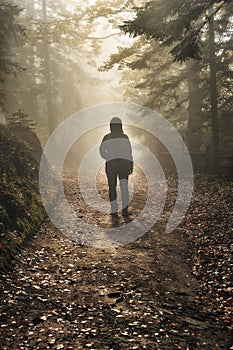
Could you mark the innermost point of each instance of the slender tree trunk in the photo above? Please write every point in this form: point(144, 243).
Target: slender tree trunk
point(34, 109)
point(193, 134)
point(33, 104)
point(213, 94)
point(48, 83)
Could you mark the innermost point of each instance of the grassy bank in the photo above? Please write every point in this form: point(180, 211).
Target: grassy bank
point(21, 209)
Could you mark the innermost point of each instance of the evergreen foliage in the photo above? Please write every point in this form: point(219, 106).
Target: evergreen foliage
point(177, 24)
point(21, 209)
point(178, 31)
point(10, 32)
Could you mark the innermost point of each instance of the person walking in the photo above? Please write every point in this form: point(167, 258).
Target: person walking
point(116, 149)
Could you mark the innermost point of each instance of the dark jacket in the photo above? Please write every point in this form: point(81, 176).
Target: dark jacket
point(116, 149)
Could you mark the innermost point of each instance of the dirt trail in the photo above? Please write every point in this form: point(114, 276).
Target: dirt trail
point(61, 295)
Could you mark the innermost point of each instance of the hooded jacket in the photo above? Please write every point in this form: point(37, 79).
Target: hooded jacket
point(115, 146)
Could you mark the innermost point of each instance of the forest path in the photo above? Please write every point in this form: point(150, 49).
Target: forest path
point(61, 295)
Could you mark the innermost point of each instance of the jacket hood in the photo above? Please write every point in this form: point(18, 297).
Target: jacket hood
point(116, 125)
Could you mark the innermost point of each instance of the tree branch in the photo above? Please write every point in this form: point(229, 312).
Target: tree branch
point(103, 37)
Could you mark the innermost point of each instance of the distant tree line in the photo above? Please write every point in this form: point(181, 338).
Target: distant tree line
point(43, 64)
point(180, 62)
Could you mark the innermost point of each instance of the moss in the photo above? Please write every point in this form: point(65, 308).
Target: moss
point(21, 209)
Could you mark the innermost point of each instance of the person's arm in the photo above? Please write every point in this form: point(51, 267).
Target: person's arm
point(130, 156)
point(103, 151)
point(131, 167)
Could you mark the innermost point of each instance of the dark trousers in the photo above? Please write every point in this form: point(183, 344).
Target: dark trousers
point(118, 169)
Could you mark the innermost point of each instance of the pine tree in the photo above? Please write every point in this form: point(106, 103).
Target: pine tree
point(10, 32)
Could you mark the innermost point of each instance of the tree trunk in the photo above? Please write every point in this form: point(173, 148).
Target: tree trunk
point(47, 75)
point(213, 94)
point(33, 103)
point(193, 134)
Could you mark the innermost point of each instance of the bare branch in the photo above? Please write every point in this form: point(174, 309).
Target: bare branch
point(103, 37)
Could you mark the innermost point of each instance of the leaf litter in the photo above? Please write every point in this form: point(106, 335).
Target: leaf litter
point(164, 291)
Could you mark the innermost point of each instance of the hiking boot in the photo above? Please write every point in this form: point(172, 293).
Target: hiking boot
point(125, 213)
point(114, 215)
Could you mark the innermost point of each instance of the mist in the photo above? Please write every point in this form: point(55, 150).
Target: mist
point(116, 168)
point(70, 57)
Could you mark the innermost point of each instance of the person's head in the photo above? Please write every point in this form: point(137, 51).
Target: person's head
point(116, 125)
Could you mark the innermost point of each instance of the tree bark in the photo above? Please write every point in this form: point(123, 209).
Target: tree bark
point(213, 94)
point(193, 134)
point(47, 75)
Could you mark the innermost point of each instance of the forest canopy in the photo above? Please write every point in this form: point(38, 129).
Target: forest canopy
point(172, 56)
